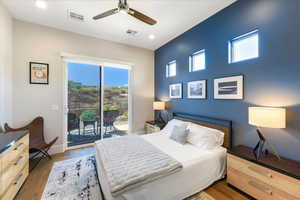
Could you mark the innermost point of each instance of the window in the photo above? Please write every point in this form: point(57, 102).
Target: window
point(197, 61)
point(244, 47)
point(171, 69)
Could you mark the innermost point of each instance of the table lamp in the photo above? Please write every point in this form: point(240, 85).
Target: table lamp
point(269, 118)
point(159, 105)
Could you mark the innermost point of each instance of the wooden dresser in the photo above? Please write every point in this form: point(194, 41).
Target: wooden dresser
point(264, 179)
point(14, 163)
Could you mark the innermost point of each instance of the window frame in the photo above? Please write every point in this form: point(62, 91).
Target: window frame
point(168, 69)
point(191, 66)
point(242, 37)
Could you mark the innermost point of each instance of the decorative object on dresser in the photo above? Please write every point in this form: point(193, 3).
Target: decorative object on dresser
point(196, 89)
point(264, 179)
point(14, 163)
point(37, 144)
point(229, 87)
point(266, 117)
point(153, 126)
point(39, 73)
point(175, 91)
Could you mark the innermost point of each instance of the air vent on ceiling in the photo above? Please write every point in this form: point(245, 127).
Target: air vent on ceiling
point(131, 32)
point(75, 16)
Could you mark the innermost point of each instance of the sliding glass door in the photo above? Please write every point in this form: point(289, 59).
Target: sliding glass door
point(115, 104)
point(97, 103)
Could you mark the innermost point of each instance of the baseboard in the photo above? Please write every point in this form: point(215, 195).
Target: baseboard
point(141, 132)
point(55, 149)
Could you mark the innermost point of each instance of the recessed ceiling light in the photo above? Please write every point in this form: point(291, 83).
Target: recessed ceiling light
point(42, 4)
point(151, 37)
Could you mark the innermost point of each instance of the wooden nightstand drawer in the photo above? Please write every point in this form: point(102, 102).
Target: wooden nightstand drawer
point(243, 173)
point(256, 188)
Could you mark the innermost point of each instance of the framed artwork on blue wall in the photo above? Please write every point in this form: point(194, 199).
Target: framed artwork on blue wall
point(229, 87)
point(196, 89)
point(175, 91)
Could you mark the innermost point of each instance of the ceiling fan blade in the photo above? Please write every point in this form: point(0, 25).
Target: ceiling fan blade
point(141, 16)
point(106, 14)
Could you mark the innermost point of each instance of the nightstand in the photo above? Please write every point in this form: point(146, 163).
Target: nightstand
point(153, 126)
point(264, 179)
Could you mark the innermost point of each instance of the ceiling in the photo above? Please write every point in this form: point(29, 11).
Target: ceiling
point(174, 17)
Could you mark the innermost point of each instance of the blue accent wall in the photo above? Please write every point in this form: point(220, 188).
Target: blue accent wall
point(273, 79)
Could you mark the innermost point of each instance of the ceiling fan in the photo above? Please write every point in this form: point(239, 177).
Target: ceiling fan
point(124, 7)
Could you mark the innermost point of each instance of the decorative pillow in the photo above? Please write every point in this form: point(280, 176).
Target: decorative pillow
point(179, 134)
point(174, 122)
point(204, 137)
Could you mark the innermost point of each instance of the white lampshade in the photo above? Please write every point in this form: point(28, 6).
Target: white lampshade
point(267, 117)
point(159, 105)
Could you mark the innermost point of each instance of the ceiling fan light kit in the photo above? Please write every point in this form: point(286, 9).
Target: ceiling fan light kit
point(124, 8)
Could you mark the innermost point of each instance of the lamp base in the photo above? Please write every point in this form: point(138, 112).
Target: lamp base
point(258, 149)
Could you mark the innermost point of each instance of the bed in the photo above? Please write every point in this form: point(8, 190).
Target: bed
point(201, 168)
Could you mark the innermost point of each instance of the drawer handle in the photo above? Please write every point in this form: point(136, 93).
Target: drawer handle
point(260, 172)
point(260, 187)
point(18, 179)
point(19, 160)
point(18, 147)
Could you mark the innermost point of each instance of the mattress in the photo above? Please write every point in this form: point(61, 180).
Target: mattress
point(201, 168)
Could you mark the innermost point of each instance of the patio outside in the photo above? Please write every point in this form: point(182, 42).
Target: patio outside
point(84, 103)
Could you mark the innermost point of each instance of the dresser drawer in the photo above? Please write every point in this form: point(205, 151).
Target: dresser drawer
point(11, 172)
point(16, 184)
point(12, 154)
point(256, 177)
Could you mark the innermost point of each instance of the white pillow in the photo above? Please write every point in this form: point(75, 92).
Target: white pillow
point(204, 137)
point(174, 122)
point(179, 134)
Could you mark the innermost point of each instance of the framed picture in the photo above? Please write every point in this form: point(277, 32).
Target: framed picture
point(196, 89)
point(229, 87)
point(175, 91)
point(39, 73)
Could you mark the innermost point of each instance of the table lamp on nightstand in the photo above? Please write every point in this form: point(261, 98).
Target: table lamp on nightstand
point(159, 106)
point(269, 118)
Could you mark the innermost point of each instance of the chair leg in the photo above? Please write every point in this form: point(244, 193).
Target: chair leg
point(38, 161)
point(46, 154)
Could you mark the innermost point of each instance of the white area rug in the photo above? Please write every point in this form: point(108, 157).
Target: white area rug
point(74, 179)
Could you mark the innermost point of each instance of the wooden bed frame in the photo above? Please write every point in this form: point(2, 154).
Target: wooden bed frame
point(220, 124)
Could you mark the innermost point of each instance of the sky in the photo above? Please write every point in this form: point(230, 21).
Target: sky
point(89, 75)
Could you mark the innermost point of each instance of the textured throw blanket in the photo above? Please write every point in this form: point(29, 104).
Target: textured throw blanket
point(131, 161)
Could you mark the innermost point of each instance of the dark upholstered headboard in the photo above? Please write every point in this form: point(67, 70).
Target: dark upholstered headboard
point(220, 124)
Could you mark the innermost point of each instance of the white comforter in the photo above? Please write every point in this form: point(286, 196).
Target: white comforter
point(200, 169)
point(124, 160)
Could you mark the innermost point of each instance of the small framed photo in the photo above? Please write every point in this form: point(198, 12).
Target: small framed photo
point(229, 87)
point(175, 91)
point(39, 73)
point(196, 89)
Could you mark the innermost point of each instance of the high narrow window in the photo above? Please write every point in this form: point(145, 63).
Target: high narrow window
point(171, 69)
point(197, 61)
point(244, 47)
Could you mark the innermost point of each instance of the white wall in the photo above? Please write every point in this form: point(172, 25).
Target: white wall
point(43, 44)
point(6, 26)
